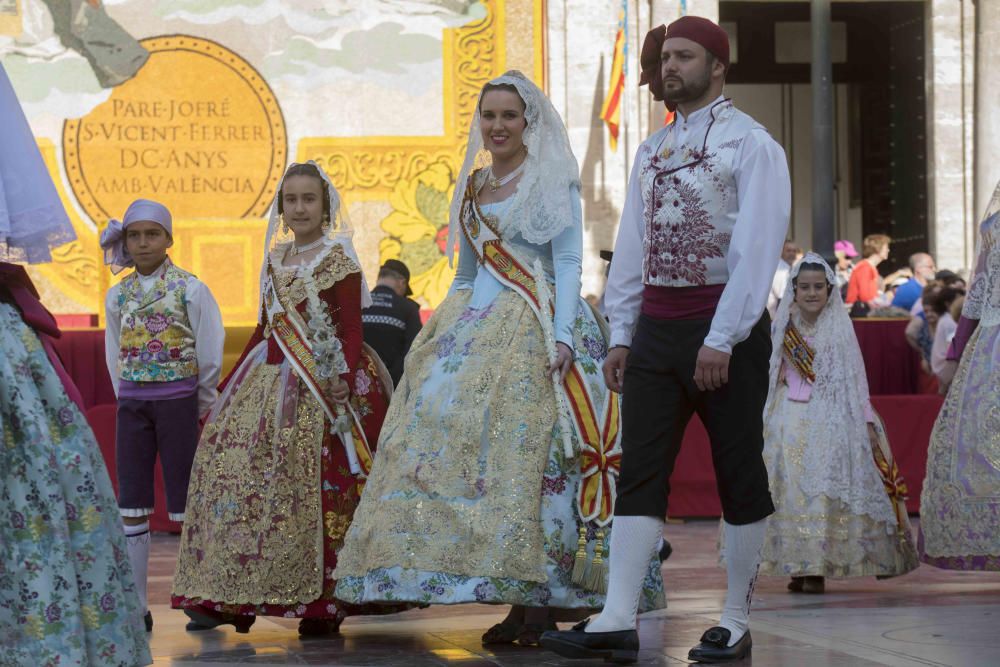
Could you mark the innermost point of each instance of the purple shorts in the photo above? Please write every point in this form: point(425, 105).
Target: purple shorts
point(147, 428)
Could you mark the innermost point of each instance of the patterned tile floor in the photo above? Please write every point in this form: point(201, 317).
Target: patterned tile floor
point(928, 617)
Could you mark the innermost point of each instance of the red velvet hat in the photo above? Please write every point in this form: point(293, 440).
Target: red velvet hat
point(696, 28)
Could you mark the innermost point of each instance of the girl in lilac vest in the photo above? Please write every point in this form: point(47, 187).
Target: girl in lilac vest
point(163, 345)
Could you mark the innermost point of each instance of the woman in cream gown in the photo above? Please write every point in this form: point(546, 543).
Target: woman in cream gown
point(483, 489)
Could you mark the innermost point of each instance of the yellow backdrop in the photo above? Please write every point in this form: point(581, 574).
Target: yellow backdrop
point(214, 154)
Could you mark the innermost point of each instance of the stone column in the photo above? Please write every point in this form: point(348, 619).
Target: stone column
point(952, 214)
point(580, 41)
point(987, 101)
point(822, 130)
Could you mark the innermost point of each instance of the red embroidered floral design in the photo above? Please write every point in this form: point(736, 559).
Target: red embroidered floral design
point(678, 251)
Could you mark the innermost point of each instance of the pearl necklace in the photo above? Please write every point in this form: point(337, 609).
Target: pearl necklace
point(299, 249)
point(497, 183)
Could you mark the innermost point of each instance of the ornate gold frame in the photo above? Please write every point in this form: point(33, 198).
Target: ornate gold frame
point(364, 169)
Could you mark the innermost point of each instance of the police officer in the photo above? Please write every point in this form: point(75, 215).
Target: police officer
point(392, 321)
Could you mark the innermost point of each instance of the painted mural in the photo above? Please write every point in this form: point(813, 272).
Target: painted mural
point(202, 103)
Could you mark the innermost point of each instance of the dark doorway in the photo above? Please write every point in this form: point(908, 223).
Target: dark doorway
point(883, 68)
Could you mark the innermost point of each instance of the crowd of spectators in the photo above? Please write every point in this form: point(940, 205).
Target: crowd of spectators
point(931, 298)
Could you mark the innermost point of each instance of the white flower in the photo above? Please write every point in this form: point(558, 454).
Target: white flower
point(327, 349)
point(342, 424)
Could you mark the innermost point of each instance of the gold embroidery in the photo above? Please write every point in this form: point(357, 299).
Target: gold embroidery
point(332, 268)
point(462, 462)
point(254, 531)
point(812, 533)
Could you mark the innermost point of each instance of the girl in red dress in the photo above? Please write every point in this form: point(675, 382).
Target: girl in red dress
point(283, 457)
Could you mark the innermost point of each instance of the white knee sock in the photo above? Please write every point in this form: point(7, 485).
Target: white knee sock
point(743, 545)
point(137, 541)
point(633, 541)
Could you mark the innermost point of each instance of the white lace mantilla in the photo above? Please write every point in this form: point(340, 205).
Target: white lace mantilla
point(838, 460)
point(983, 300)
point(540, 207)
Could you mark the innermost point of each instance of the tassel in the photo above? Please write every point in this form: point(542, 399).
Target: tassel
point(597, 575)
point(580, 563)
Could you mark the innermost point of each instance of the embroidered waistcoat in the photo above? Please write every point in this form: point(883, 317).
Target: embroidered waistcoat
point(157, 341)
point(690, 202)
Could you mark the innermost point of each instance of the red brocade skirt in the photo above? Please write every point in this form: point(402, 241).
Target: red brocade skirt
point(245, 542)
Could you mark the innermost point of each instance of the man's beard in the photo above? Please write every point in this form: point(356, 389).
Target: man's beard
point(688, 90)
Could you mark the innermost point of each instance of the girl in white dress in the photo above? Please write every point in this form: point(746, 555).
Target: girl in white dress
point(836, 489)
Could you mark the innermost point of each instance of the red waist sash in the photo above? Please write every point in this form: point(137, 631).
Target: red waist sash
point(681, 303)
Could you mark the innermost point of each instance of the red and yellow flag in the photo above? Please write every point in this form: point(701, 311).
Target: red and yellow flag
point(612, 107)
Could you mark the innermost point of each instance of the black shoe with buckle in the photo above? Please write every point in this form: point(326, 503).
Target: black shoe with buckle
point(714, 647)
point(620, 647)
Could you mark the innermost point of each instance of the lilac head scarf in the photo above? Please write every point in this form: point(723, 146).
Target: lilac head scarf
point(113, 236)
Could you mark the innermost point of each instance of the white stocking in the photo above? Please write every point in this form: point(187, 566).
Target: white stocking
point(137, 541)
point(633, 541)
point(743, 546)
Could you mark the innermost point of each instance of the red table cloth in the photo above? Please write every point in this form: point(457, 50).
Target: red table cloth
point(908, 422)
point(891, 365)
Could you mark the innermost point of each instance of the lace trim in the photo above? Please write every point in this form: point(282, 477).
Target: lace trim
point(541, 206)
point(323, 273)
point(31, 235)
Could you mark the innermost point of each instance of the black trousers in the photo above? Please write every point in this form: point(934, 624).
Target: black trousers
point(658, 398)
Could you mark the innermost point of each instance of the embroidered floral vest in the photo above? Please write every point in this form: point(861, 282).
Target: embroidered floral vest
point(689, 201)
point(157, 341)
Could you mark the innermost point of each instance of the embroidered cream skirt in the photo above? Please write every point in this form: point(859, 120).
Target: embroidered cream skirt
point(813, 532)
point(471, 498)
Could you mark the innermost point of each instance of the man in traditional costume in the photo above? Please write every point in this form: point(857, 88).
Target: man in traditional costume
point(703, 224)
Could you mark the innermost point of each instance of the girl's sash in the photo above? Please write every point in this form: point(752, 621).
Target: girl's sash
point(895, 488)
point(798, 352)
point(599, 433)
point(289, 333)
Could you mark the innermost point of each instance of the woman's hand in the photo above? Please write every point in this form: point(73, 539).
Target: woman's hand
point(564, 359)
point(340, 391)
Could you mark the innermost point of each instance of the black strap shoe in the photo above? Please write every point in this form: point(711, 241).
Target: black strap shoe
point(714, 647)
point(665, 551)
point(620, 647)
point(203, 619)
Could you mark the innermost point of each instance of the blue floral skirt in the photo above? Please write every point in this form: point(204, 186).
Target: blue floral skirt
point(67, 595)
